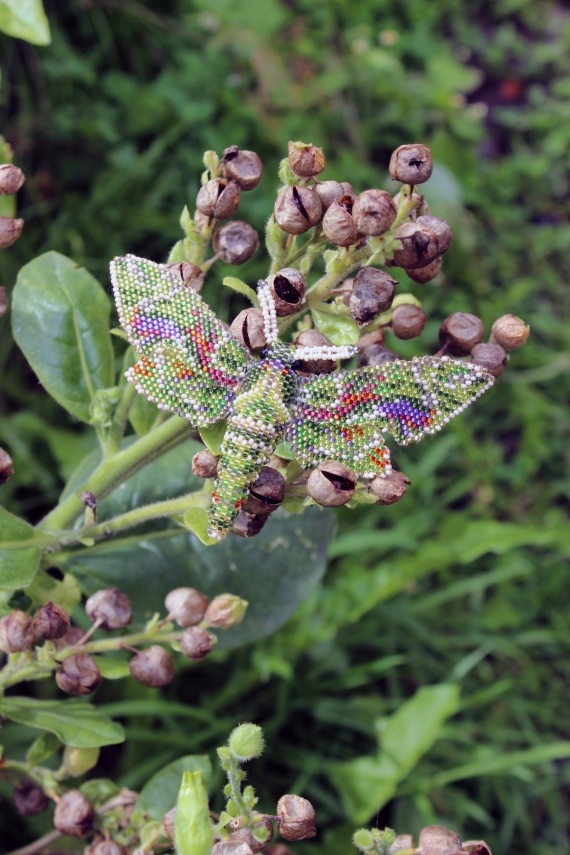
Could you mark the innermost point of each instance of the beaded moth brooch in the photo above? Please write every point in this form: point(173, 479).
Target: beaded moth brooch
point(191, 365)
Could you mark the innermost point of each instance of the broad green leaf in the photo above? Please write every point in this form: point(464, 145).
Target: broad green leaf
point(19, 557)
point(339, 328)
point(113, 669)
point(197, 520)
point(160, 792)
point(41, 748)
point(213, 435)
point(368, 783)
point(25, 19)
point(74, 722)
point(60, 319)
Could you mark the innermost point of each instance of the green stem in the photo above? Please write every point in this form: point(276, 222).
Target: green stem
point(112, 444)
point(236, 789)
point(111, 472)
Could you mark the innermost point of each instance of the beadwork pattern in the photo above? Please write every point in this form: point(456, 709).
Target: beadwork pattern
point(191, 365)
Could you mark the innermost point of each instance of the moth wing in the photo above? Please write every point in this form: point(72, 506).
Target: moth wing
point(190, 363)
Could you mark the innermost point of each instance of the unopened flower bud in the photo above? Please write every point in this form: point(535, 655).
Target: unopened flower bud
point(427, 273)
point(296, 817)
point(10, 230)
point(49, 622)
point(338, 223)
point(460, 332)
point(105, 847)
point(236, 242)
point(440, 228)
point(11, 179)
point(196, 643)
point(330, 191)
point(189, 273)
point(411, 164)
point(204, 464)
point(264, 831)
point(266, 493)
point(248, 525)
point(510, 332)
point(16, 632)
point(376, 354)
point(389, 489)
point(437, 840)
point(78, 761)
point(246, 742)
point(74, 814)
point(218, 198)
point(186, 606)
point(243, 167)
point(331, 484)
point(110, 607)
point(297, 209)
point(419, 246)
point(78, 675)
point(372, 294)
point(408, 321)
point(249, 329)
point(89, 499)
point(288, 287)
point(314, 338)
point(490, 356)
point(152, 667)
point(374, 212)
point(225, 611)
point(306, 160)
point(29, 798)
point(72, 637)
point(6, 466)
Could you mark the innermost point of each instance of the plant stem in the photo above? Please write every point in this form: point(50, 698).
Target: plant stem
point(112, 444)
point(37, 845)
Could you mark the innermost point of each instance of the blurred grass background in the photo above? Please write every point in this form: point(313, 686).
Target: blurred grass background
point(463, 582)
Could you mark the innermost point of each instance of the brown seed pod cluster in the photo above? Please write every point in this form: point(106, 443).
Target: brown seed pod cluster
point(11, 179)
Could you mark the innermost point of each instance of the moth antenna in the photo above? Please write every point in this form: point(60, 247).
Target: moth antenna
point(327, 351)
point(267, 306)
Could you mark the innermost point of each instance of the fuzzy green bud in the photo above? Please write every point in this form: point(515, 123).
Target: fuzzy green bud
point(77, 761)
point(246, 741)
point(363, 839)
point(225, 611)
point(193, 832)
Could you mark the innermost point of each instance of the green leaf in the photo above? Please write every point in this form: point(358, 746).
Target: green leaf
point(19, 557)
point(238, 285)
point(213, 435)
point(197, 520)
point(113, 669)
point(339, 328)
point(74, 722)
point(60, 319)
point(41, 748)
point(25, 19)
point(368, 783)
point(159, 794)
point(501, 764)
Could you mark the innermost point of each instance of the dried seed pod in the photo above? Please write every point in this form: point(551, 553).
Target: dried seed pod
point(329, 192)
point(401, 841)
point(49, 622)
point(296, 817)
point(372, 293)
point(231, 847)
point(248, 525)
point(236, 242)
point(11, 179)
point(411, 164)
point(3, 301)
point(249, 329)
point(186, 606)
point(476, 847)
point(152, 667)
point(305, 159)
point(204, 464)
point(72, 637)
point(420, 206)
point(218, 198)
point(266, 493)
point(110, 608)
point(288, 287)
point(373, 337)
point(242, 166)
point(278, 849)
point(338, 223)
point(16, 632)
point(389, 489)
point(168, 822)
point(408, 321)
point(419, 246)
point(509, 332)
point(490, 356)
point(376, 354)
point(10, 231)
point(78, 675)
point(314, 338)
point(189, 273)
point(331, 484)
point(74, 814)
point(297, 209)
point(246, 835)
point(374, 212)
point(105, 847)
point(440, 228)
point(427, 273)
point(196, 643)
point(29, 798)
point(6, 466)
point(460, 332)
point(437, 840)
point(225, 611)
